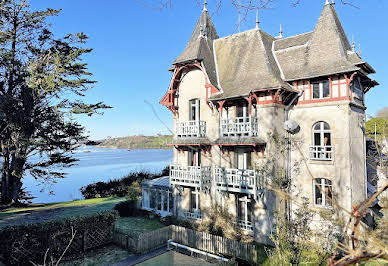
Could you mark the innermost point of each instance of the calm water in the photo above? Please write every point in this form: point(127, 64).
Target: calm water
point(98, 164)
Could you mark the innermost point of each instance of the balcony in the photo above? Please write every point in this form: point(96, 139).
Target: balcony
point(191, 129)
point(192, 215)
point(245, 225)
point(191, 176)
point(237, 180)
point(321, 153)
point(239, 127)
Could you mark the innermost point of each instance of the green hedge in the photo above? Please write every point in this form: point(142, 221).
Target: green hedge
point(23, 244)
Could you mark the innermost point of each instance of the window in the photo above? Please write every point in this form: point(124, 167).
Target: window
point(323, 192)
point(195, 200)
point(321, 148)
point(242, 160)
point(244, 213)
point(194, 157)
point(194, 110)
point(321, 134)
point(356, 87)
point(242, 109)
point(321, 89)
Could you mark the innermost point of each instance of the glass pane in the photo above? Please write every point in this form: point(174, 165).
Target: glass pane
point(326, 126)
point(317, 139)
point(326, 139)
point(159, 201)
point(328, 195)
point(153, 199)
point(318, 193)
point(165, 199)
point(199, 202)
point(326, 89)
point(249, 204)
point(316, 91)
point(239, 111)
point(317, 126)
point(192, 201)
point(171, 199)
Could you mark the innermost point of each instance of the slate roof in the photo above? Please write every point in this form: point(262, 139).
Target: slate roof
point(200, 46)
point(322, 52)
point(254, 60)
point(161, 182)
point(245, 62)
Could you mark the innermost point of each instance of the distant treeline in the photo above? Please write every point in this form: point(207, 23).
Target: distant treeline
point(137, 142)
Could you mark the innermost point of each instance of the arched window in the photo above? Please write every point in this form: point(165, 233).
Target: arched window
point(323, 192)
point(321, 134)
point(321, 148)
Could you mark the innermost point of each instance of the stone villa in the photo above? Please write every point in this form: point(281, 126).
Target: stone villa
point(228, 95)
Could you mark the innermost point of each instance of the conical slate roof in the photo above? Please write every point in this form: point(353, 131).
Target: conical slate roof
point(200, 46)
point(325, 51)
point(245, 63)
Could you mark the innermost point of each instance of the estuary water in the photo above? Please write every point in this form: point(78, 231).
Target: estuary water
point(97, 164)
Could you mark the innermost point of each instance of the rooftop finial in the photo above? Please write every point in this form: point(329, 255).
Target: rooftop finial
point(204, 5)
point(327, 2)
point(353, 44)
point(359, 50)
point(281, 31)
point(257, 19)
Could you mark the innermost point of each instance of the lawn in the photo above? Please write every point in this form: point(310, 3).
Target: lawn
point(136, 225)
point(51, 211)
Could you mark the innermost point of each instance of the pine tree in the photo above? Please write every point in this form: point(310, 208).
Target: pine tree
point(42, 82)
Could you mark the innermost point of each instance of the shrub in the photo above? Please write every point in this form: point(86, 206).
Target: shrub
point(127, 208)
point(129, 185)
point(27, 243)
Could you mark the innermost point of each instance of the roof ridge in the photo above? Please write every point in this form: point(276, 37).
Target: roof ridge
point(293, 36)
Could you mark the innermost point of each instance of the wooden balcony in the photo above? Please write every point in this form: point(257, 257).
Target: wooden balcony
point(191, 129)
point(191, 176)
point(321, 153)
point(239, 127)
point(237, 180)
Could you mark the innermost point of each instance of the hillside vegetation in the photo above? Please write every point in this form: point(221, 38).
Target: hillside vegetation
point(138, 142)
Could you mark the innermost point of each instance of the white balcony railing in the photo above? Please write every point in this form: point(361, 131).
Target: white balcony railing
point(245, 225)
point(192, 215)
point(238, 180)
point(239, 127)
point(191, 129)
point(194, 176)
point(321, 153)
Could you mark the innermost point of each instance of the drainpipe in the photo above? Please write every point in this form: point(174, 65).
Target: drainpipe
point(288, 149)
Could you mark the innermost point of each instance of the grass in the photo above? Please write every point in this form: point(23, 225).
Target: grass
point(50, 211)
point(136, 225)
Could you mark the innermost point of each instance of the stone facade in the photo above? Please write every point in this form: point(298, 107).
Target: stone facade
point(225, 112)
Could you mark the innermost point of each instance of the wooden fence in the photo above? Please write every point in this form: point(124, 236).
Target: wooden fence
point(203, 241)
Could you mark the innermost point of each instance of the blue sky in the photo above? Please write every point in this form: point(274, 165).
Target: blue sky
point(134, 47)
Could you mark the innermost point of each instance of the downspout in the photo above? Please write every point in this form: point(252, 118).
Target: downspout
point(288, 150)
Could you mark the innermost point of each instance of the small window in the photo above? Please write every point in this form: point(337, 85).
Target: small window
point(194, 110)
point(244, 208)
point(321, 89)
point(195, 200)
point(323, 192)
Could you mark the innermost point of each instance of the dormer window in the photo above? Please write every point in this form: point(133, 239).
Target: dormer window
point(321, 89)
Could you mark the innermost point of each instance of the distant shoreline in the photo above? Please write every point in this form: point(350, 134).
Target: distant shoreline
point(136, 142)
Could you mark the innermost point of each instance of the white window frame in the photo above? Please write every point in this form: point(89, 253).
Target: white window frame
point(323, 185)
point(246, 200)
point(321, 132)
point(196, 104)
point(320, 90)
point(196, 207)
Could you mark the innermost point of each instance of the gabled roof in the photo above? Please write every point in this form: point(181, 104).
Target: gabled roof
point(245, 63)
point(200, 46)
point(325, 51)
